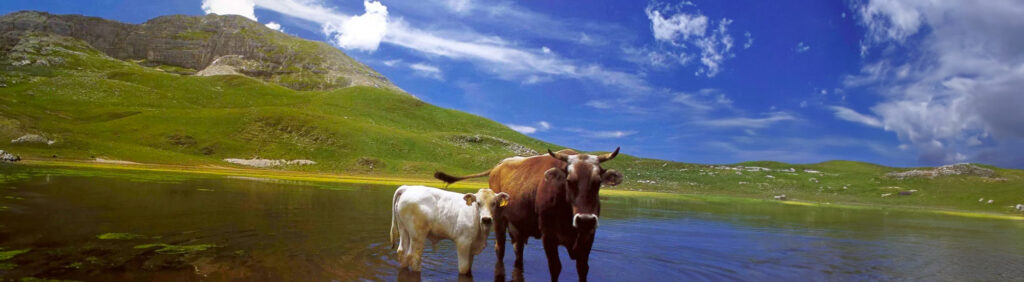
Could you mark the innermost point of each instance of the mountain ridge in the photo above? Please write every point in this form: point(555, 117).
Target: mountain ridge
point(195, 42)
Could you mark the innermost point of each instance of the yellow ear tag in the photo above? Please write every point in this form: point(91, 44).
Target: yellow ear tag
point(504, 202)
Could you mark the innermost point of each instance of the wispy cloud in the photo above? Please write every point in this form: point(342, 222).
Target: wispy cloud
point(802, 47)
point(524, 129)
point(851, 115)
point(426, 70)
point(746, 122)
point(603, 134)
point(365, 32)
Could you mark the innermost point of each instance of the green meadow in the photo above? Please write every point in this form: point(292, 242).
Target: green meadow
point(97, 107)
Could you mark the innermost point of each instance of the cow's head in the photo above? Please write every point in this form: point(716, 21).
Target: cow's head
point(584, 177)
point(486, 203)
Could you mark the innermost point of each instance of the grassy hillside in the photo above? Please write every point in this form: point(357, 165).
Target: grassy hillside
point(94, 106)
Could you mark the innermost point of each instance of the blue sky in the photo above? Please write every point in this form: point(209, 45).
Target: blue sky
point(895, 82)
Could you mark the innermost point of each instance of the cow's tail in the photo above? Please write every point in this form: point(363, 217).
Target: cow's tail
point(394, 216)
point(449, 179)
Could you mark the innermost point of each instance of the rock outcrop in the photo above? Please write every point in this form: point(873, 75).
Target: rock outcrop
point(8, 157)
point(195, 42)
point(953, 169)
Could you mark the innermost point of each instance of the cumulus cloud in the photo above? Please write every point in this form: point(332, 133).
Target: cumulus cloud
point(245, 8)
point(274, 26)
point(958, 96)
point(677, 25)
point(362, 32)
point(683, 30)
point(426, 70)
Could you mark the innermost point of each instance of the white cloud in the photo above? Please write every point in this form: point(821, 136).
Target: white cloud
point(745, 122)
point(528, 129)
point(599, 104)
point(602, 134)
point(363, 32)
point(750, 40)
point(802, 47)
point(678, 25)
point(962, 80)
point(703, 100)
point(274, 26)
point(683, 31)
point(545, 49)
point(544, 125)
point(392, 63)
point(491, 53)
point(851, 115)
point(427, 70)
point(243, 8)
point(524, 129)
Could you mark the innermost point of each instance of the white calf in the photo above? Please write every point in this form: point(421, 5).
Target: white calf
point(419, 213)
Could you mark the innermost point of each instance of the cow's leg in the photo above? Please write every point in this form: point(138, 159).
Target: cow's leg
point(465, 258)
point(551, 250)
point(499, 239)
point(518, 244)
point(583, 259)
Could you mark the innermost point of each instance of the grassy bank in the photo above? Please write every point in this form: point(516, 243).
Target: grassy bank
point(620, 191)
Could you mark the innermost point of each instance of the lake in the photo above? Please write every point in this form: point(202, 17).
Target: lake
point(103, 225)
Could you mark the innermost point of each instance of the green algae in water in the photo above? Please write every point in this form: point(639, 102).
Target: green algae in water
point(205, 190)
point(174, 249)
point(13, 198)
point(7, 266)
point(6, 255)
point(119, 236)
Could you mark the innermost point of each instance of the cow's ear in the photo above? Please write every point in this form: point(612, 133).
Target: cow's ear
point(470, 198)
point(502, 199)
point(611, 177)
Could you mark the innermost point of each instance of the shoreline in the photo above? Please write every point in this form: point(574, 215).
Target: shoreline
point(399, 180)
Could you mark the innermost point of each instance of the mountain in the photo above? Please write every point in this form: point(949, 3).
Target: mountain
point(187, 43)
point(81, 88)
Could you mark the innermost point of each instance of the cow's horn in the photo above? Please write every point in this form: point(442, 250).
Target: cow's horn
point(558, 156)
point(608, 156)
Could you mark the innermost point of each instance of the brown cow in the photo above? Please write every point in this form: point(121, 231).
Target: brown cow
point(553, 197)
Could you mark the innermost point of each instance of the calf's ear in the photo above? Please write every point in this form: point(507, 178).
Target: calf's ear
point(470, 198)
point(611, 177)
point(502, 199)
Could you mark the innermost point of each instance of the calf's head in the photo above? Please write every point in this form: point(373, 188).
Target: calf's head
point(584, 177)
point(486, 202)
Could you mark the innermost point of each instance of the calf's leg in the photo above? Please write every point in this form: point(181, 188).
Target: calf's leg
point(465, 258)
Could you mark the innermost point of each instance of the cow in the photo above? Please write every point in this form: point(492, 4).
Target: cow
point(554, 197)
point(419, 213)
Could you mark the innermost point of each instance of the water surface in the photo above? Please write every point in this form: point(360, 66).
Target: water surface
point(228, 228)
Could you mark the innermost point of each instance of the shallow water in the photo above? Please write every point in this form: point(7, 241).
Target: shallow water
point(263, 229)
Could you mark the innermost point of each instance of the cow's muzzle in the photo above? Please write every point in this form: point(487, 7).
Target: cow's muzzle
point(584, 221)
point(485, 220)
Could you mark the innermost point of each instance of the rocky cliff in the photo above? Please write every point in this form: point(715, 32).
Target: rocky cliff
point(197, 43)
